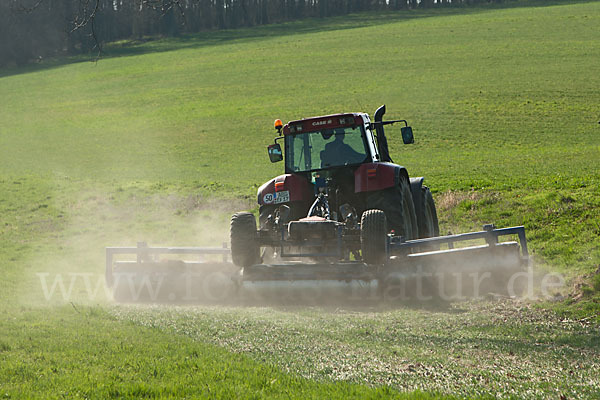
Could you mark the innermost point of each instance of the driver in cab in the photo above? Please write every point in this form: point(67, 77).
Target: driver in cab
point(337, 152)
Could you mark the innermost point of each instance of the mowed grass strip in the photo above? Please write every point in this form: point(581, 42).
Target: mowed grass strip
point(71, 352)
point(490, 348)
point(500, 349)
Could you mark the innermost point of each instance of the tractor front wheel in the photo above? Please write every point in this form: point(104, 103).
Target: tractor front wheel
point(373, 237)
point(245, 248)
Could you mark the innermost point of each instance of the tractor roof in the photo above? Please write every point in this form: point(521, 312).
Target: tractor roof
point(313, 124)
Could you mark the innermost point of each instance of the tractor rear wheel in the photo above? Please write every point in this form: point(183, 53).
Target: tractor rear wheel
point(397, 203)
point(373, 236)
point(427, 216)
point(245, 248)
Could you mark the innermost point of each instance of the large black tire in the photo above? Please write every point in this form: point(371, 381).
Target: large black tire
point(397, 204)
point(373, 236)
point(427, 215)
point(245, 249)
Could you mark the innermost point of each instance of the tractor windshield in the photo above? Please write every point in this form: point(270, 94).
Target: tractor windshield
point(324, 149)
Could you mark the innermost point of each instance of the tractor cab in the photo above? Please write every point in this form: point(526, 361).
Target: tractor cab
point(331, 141)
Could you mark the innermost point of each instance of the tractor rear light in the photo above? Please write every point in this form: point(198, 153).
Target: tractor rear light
point(372, 173)
point(279, 186)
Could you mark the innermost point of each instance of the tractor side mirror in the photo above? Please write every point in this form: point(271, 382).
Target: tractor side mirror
point(407, 135)
point(275, 153)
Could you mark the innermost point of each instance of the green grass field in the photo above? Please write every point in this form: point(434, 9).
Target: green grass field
point(161, 141)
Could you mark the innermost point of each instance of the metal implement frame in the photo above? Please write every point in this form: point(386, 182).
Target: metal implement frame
point(490, 234)
point(143, 254)
point(396, 245)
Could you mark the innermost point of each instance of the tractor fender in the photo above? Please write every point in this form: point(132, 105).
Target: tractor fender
point(416, 184)
point(297, 187)
point(378, 176)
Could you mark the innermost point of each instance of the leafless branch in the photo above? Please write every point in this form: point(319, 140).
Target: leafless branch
point(87, 17)
point(164, 7)
point(22, 8)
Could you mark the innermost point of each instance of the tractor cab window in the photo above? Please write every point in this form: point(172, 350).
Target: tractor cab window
point(325, 149)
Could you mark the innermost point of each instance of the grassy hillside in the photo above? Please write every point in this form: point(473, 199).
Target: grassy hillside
point(498, 99)
point(502, 101)
point(161, 141)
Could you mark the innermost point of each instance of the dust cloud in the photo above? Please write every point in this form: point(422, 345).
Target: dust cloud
point(71, 265)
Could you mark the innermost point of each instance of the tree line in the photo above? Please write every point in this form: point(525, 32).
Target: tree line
point(31, 30)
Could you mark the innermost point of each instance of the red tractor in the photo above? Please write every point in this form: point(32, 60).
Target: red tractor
point(340, 198)
point(343, 218)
